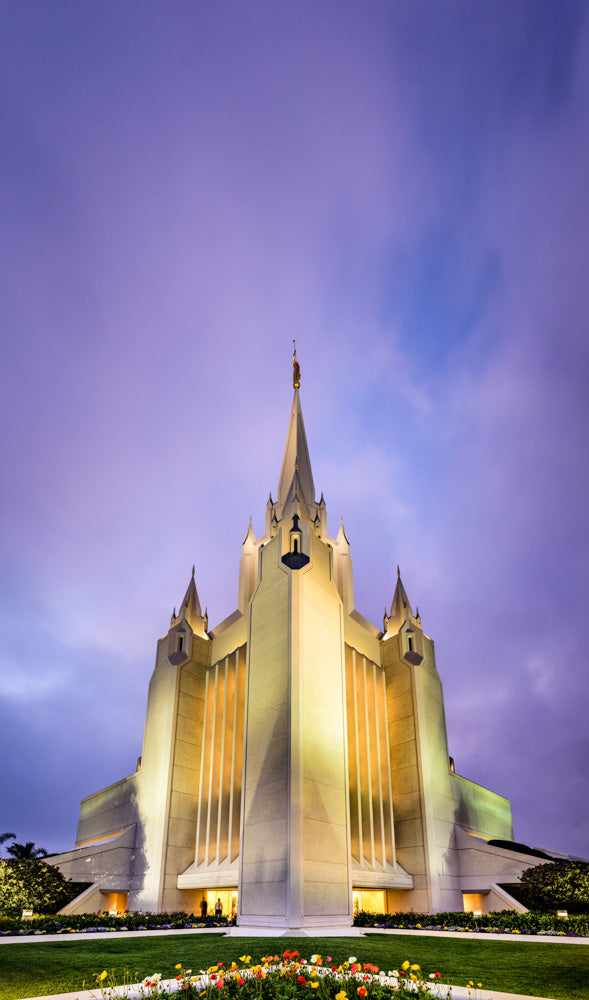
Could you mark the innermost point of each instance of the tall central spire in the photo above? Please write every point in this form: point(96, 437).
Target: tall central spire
point(296, 477)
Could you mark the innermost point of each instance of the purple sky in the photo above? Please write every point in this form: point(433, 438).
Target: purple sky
point(402, 186)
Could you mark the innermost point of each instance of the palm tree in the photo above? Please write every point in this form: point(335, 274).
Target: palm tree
point(26, 852)
point(6, 836)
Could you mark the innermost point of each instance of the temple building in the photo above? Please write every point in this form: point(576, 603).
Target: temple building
point(295, 760)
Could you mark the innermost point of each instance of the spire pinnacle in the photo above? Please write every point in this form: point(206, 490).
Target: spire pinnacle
point(296, 368)
point(296, 474)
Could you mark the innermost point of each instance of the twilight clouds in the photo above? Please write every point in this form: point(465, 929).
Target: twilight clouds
point(402, 187)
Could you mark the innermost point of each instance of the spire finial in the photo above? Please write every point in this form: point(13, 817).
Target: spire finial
point(193, 569)
point(296, 368)
point(398, 572)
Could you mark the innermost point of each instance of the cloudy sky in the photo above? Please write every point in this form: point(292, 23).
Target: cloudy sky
point(185, 187)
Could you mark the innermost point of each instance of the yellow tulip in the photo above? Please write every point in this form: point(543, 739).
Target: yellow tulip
point(405, 965)
point(102, 976)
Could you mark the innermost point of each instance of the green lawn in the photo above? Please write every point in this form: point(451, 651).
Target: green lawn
point(537, 969)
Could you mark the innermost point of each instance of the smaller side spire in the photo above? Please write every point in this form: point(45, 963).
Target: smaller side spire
point(248, 566)
point(269, 515)
point(342, 538)
point(249, 535)
point(400, 608)
point(407, 625)
point(342, 568)
point(191, 610)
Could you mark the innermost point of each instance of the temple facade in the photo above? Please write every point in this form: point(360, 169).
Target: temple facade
point(295, 761)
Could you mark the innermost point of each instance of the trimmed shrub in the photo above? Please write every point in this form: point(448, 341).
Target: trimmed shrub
point(504, 921)
point(560, 885)
point(88, 922)
point(31, 885)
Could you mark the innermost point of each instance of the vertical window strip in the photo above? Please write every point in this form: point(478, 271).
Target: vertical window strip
point(222, 709)
point(201, 825)
point(358, 759)
point(369, 855)
point(386, 778)
point(240, 661)
point(380, 845)
point(352, 757)
point(212, 707)
point(228, 756)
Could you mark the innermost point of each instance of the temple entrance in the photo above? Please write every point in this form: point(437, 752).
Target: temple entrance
point(228, 899)
point(369, 900)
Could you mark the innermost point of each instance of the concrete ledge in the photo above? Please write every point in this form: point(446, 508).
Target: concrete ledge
point(136, 993)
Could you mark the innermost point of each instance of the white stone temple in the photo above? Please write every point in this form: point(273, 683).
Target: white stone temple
point(295, 760)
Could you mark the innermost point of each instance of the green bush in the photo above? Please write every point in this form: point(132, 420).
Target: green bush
point(87, 922)
point(505, 921)
point(560, 885)
point(31, 885)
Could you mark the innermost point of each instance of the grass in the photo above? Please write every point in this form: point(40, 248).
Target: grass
point(535, 969)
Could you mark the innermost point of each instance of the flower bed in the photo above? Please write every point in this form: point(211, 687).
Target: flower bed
point(504, 922)
point(86, 923)
point(285, 977)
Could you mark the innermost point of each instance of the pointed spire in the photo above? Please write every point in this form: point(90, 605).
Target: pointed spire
point(400, 608)
point(269, 514)
point(248, 567)
point(296, 464)
point(342, 568)
point(249, 535)
point(190, 610)
point(342, 538)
